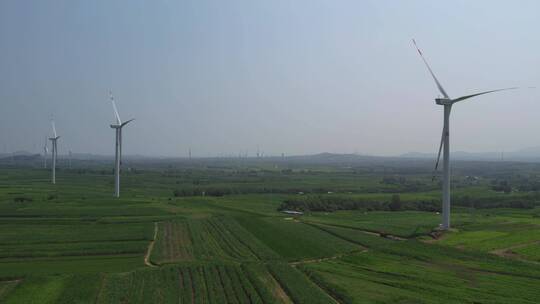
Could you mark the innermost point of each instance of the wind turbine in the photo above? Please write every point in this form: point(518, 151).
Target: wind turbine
point(54, 153)
point(118, 151)
point(70, 156)
point(447, 102)
point(45, 151)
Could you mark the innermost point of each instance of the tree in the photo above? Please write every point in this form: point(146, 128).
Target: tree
point(395, 203)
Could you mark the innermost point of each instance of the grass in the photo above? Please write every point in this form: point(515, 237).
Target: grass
point(73, 243)
point(501, 230)
point(403, 224)
point(384, 278)
point(38, 290)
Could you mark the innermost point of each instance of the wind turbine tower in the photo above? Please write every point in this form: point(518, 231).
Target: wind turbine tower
point(45, 152)
point(54, 153)
point(118, 147)
point(447, 103)
point(70, 156)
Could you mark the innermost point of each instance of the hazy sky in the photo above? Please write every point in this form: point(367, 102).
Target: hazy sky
point(290, 76)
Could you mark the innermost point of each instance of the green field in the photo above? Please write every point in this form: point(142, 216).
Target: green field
point(213, 233)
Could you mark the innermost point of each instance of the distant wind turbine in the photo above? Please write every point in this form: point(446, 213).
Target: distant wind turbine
point(447, 102)
point(45, 152)
point(118, 148)
point(70, 156)
point(54, 153)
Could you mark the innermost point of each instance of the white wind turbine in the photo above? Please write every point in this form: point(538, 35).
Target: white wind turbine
point(45, 152)
point(70, 157)
point(118, 148)
point(54, 153)
point(447, 102)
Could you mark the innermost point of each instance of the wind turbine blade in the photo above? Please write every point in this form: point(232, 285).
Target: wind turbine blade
point(125, 123)
point(481, 93)
point(441, 89)
point(118, 120)
point(439, 155)
point(54, 128)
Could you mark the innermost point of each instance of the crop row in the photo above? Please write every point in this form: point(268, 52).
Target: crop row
point(216, 237)
point(297, 285)
point(34, 240)
point(294, 240)
point(73, 249)
point(24, 234)
point(191, 283)
point(173, 242)
point(187, 284)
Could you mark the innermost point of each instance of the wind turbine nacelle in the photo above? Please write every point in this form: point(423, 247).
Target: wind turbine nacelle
point(443, 101)
point(115, 126)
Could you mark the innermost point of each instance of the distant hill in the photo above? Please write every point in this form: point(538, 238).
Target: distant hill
point(531, 154)
point(20, 156)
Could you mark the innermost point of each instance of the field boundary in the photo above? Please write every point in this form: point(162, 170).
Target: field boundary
point(320, 226)
point(323, 288)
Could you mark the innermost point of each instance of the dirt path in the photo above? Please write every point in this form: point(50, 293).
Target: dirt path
point(150, 248)
point(278, 291)
point(508, 253)
point(11, 281)
point(326, 258)
point(98, 296)
point(7, 286)
point(515, 247)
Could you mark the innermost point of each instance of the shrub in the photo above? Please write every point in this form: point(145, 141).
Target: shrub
point(22, 199)
point(335, 203)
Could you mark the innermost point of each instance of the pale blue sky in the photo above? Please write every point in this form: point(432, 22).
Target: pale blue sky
point(290, 76)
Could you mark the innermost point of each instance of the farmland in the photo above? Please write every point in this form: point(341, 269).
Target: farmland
point(211, 231)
